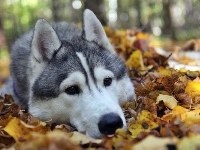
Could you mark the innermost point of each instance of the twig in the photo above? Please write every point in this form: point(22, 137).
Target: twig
point(148, 71)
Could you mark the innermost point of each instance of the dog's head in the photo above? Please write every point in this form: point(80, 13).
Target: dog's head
point(77, 78)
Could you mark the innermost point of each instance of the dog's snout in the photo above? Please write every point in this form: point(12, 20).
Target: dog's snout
point(108, 123)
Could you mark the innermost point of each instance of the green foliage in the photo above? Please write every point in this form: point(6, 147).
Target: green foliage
point(20, 15)
point(4, 55)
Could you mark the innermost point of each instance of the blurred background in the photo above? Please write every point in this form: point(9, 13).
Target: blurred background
point(178, 20)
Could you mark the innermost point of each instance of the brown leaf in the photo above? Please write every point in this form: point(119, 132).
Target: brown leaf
point(195, 128)
point(55, 140)
point(22, 132)
point(149, 105)
point(184, 99)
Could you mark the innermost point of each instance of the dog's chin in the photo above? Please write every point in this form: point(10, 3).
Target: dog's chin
point(94, 135)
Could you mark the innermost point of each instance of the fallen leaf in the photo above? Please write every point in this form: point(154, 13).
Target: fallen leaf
point(145, 122)
point(189, 143)
point(195, 128)
point(55, 140)
point(135, 61)
point(176, 112)
point(22, 132)
point(82, 139)
point(149, 105)
point(191, 117)
point(155, 143)
point(169, 101)
point(193, 88)
point(184, 99)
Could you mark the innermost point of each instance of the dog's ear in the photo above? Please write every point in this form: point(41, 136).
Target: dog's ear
point(94, 32)
point(45, 41)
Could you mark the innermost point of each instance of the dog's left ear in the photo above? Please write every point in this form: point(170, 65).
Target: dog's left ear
point(94, 32)
point(45, 41)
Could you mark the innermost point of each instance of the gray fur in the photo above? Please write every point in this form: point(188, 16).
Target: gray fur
point(47, 84)
point(63, 62)
point(44, 58)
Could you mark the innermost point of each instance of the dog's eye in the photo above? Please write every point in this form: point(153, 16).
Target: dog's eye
point(72, 90)
point(107, 81)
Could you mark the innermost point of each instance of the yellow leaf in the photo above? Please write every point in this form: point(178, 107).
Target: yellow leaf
point(169, 101)
point(189, 143)
point(18, 131)
point(122, 139)
point(122, 133)
point(191, 117)
point(146, 121)
point(142, 35)
point(193, 88)
point(166, 71)
point(21, 131)
point(176, 112)
point(135, 60)
point(188, 117)
point(55, 140)
point(154, 143)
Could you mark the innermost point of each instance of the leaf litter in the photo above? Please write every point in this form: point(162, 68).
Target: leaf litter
point(165, 113)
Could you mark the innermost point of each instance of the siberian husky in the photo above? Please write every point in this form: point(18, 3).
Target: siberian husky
point(68, 75)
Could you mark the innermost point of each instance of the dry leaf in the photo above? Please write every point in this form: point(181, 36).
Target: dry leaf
point(155, 143)
point(82, 139)
point(55, 140)
point(135, 61)
point(145, 122)
point(191, 117)
point(169, 101)
point(193, 88)
point(22, 132)
point(189, 143)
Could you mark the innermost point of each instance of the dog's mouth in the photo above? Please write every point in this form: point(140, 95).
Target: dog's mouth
point(68, 127)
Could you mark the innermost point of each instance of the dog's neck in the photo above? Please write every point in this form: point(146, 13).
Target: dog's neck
point(15, 91)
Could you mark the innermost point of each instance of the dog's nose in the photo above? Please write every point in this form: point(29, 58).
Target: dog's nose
point(108, 123)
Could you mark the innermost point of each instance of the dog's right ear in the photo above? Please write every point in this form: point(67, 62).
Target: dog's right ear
point(93, 31)
point(45, 41)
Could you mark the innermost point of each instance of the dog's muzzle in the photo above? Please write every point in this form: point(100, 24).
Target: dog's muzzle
point(109, 123)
